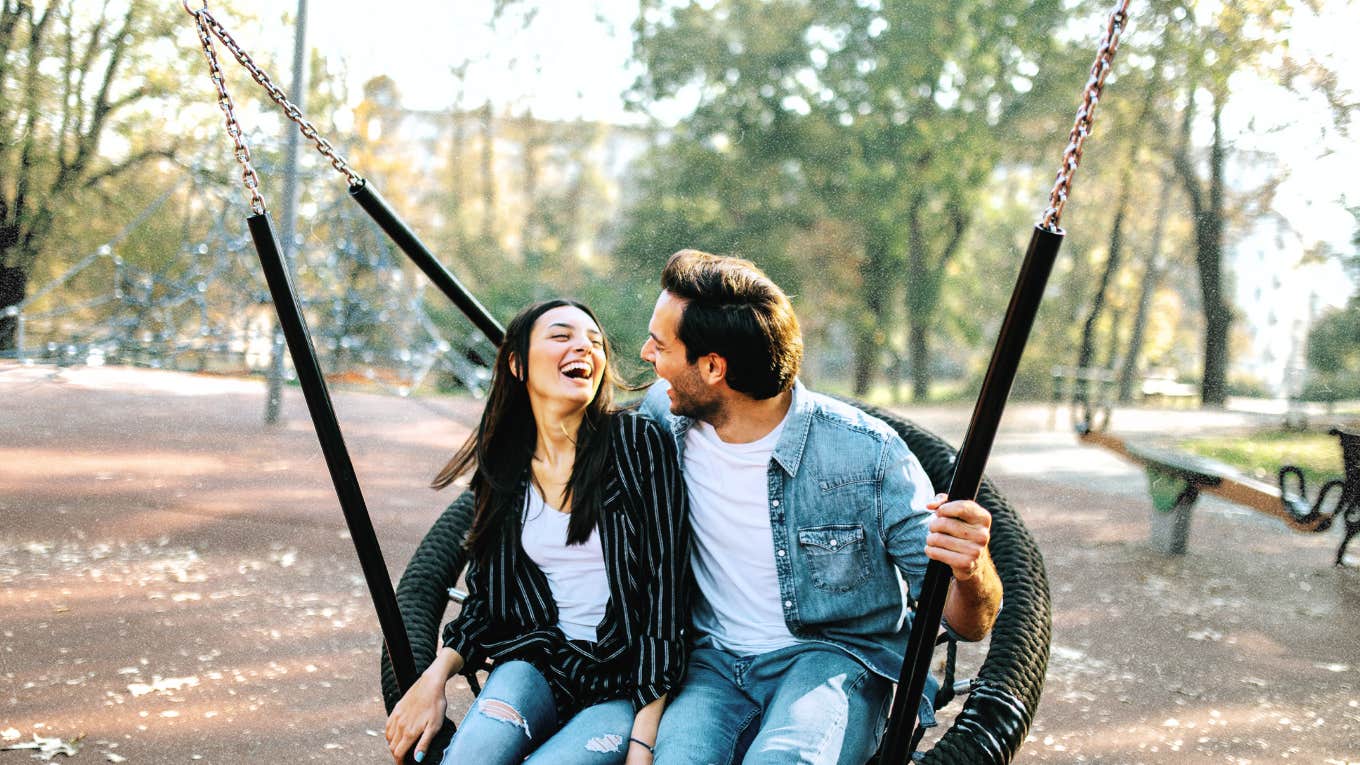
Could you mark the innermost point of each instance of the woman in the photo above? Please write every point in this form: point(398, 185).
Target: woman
point(578, 576)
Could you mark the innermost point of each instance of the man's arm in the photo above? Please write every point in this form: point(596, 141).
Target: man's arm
point(959, 535)
point(956, 534)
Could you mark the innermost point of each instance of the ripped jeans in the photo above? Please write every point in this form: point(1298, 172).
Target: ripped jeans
point(514, 717)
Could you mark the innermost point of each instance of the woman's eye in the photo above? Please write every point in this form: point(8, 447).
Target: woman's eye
point(597, 343)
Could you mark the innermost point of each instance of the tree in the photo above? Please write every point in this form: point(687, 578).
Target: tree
point(65, 89)
point(890, 118)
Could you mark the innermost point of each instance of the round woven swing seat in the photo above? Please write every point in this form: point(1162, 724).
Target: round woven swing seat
point(997, 712)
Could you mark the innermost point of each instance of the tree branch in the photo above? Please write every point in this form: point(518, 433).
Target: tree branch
point(127, 164)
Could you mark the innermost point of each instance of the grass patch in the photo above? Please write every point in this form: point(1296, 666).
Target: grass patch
point(1261, 454)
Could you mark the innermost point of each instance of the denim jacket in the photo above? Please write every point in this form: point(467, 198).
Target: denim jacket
point(847, 510)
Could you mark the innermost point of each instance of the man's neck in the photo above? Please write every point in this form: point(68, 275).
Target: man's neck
point(743, 419)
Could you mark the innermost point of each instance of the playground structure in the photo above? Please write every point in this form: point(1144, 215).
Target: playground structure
point(1176, 480)
point(205, 307)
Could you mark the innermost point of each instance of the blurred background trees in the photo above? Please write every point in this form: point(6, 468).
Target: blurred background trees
point(882, 161)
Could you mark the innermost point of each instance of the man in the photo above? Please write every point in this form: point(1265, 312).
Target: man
point(808, 515)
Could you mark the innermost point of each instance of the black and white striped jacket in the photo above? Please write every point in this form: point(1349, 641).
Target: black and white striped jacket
point(644, 532)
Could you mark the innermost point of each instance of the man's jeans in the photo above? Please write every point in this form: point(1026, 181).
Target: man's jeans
point(514, 716)
point(808, 703)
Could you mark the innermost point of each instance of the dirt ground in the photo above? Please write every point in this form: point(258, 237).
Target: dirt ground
point(179, 586)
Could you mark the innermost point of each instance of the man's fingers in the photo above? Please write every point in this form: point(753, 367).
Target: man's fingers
point(966, 511)
point(951, 527)
point(963, 565)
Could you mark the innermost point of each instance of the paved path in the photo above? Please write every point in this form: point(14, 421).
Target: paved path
point(178, 584)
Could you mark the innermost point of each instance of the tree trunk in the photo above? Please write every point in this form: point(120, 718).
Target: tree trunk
point(13, 288)
point(1087, 350)
point(1152, 276)
point(1209, 259)
point(874, 286)
point(918, 348)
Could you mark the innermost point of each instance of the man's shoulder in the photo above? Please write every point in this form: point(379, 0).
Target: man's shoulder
point(841, 415)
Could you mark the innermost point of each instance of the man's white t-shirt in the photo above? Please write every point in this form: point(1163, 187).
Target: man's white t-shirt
point(734, 557)
point(576, 573)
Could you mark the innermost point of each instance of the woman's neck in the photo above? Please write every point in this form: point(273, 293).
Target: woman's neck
point(556, 441)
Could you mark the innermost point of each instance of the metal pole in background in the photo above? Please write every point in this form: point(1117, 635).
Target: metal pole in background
point(288, 212)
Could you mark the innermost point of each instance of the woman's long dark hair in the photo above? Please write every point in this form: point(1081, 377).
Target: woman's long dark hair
point(502, 446)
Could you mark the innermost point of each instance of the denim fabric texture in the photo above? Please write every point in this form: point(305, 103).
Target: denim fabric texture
point(597, 735)
point(847, 510)
point(808, 703)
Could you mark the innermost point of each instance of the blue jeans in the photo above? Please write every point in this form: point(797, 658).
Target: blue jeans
point(514, 717)
point(808, 703)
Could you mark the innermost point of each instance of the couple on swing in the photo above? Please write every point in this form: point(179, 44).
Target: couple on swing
point(735, 555)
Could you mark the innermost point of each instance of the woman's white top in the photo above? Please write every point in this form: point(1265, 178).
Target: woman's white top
point(576, 573)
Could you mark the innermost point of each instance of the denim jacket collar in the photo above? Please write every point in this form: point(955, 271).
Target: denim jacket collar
point(789, 451)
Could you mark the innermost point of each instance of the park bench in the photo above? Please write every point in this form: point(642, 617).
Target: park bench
point(1176, 480)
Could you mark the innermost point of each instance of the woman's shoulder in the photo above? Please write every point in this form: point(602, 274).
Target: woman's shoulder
point(633, 426)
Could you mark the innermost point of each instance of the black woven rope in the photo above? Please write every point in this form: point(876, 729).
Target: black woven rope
point(423, 593)
point(997, 715)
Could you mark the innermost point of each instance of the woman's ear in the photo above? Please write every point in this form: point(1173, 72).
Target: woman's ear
point(515, 368)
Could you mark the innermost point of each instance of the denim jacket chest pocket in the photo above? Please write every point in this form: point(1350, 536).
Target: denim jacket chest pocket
point(836, 555)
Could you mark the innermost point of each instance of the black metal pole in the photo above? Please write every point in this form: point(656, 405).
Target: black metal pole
point(972, 459)
point(333, 446)
point(401, 234)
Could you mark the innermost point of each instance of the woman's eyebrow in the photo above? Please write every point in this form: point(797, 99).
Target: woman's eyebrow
point(566, 325)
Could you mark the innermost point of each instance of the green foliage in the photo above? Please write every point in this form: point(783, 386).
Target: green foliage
point(884, 122)
point(1262, 454)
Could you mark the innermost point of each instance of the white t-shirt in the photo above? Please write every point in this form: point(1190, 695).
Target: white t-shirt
point(575, 573)
point(733, 559)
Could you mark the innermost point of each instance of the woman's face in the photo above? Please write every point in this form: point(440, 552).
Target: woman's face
point(566, 358)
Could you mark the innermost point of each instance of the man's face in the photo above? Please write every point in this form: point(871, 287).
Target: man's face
point(690, 395)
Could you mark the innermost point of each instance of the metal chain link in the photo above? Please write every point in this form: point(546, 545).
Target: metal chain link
point(206, 19)
point(241, 150)
point(1076, 140)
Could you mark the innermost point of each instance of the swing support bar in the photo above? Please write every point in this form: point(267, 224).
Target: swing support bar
point(900, 740)
point(333, 447)
point(902, 736)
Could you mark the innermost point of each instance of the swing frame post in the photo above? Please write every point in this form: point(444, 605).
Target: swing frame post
point(338, 461)
point(401, 235)
point(901, 737)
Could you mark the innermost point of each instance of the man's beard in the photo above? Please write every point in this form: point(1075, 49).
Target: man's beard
point(689, 401)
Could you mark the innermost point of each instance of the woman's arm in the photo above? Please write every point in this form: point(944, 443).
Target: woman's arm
point(642, 741)
point(420, 713)
point(654, 473)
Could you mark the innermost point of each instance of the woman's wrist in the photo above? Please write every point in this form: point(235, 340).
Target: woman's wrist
point(635, 740)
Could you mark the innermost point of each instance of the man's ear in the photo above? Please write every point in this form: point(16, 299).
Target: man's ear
point(713, 369)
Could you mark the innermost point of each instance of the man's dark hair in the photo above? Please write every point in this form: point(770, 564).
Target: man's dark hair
point(734, 310)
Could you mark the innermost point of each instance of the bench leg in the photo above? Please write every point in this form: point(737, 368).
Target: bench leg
point(1173, 499)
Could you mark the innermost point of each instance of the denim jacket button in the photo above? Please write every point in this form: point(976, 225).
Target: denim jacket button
point(788, 604)
point(781, 553)
point(774, 503)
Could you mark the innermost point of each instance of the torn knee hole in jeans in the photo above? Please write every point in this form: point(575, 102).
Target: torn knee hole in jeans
point(499, 710)
point(610, 742)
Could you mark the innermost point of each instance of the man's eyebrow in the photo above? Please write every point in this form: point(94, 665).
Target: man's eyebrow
point(655, 339)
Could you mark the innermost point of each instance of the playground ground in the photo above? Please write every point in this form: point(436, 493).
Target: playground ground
point(177, 585)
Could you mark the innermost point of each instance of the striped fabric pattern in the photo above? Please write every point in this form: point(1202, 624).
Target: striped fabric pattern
point(640, 653)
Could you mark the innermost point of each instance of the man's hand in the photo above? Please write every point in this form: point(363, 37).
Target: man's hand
point(959, 534)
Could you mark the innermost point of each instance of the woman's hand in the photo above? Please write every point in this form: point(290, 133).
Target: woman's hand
point(420, 713)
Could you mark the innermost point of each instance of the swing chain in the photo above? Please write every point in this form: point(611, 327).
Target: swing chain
point(241, 151)
point(1076, 141)
point(308, 130)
